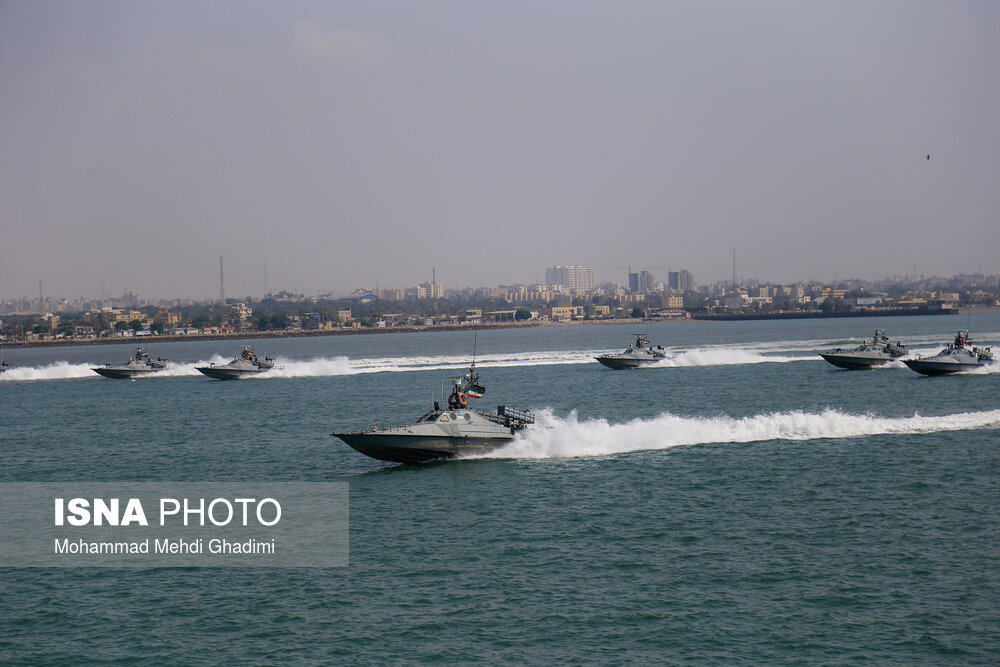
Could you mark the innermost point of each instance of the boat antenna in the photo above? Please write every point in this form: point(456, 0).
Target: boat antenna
point(475, 341)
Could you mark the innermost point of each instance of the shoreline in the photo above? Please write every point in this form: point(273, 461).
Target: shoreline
point(246, 335)
point(813, 315)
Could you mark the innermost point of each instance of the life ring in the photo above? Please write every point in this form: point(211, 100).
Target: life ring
point(463, 399)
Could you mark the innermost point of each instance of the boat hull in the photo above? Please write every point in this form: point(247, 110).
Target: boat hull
point(223, 373)
point(402, 448)
point(125, 373)
point(851, 361)
point(927, 367)
point(619, 363)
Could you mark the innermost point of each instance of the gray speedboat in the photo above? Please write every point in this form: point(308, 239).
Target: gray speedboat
point(640, 353)
point(243, 365)
point(958, 357)
point(443, 433)
point(879, 351)
point(138, 365)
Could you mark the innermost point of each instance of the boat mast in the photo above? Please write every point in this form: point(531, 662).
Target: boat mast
point(475, 341)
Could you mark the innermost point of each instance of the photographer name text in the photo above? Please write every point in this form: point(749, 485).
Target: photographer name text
point(166, 546)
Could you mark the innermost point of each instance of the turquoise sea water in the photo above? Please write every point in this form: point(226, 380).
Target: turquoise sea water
point(745, 503)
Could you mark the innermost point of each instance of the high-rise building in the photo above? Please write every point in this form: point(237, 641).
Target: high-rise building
point(434, 290)
point(643, 281)
point(681, 280)
point(570, 277)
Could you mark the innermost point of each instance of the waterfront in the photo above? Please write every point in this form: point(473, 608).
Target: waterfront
point(744, 502)
point(633, 322)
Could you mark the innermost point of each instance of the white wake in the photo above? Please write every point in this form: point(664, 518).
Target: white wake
point(59, 370)
point(707, 355)
point(725, 357)
point(556, 437)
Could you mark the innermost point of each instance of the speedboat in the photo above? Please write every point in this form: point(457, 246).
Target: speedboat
point(879, 351)
point(243, 365)
point(443, 433)
point(958, 357)
point(639, 353)
point(138, 365)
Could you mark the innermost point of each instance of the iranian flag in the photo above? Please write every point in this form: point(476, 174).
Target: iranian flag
point(476, 391)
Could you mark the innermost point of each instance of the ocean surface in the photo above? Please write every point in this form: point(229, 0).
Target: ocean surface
point(744, 502)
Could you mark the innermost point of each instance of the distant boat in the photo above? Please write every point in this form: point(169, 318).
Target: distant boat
point(959, 356)
point(877, 352)
point(138, 365)
point(640, 353)
point(243, 365)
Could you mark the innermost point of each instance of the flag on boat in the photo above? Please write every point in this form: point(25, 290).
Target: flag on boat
point(476, 391)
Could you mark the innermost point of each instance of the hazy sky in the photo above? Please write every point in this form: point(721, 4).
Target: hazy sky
point(350, 144)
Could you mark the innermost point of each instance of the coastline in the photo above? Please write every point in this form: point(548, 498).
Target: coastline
point(309, 333)
point(818, 315)
point(246, 335)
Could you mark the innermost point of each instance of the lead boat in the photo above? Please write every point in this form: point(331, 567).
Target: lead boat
point(243, 365)
point(640, 353)
point(877, 352)
point(959, 356)
point(444, 434)
point(138, 365)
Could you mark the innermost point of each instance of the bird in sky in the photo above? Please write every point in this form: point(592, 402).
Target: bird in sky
point(928, 157)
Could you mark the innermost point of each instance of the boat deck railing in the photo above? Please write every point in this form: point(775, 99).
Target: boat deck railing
point(505, 416)
point(381, 426)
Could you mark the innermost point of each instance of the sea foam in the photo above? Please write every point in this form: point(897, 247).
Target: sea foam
point(556, 437)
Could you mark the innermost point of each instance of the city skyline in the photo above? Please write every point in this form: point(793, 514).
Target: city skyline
point(642, 281)
point(322, 147)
